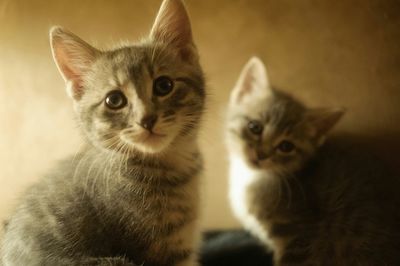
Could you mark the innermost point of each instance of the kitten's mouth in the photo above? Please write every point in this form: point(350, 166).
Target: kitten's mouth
point(258, 159)
point(145, 137)
point(255, 163)
point(260, 162)
point(147, 141)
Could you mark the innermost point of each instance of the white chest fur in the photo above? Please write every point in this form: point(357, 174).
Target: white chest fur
point(241, 178)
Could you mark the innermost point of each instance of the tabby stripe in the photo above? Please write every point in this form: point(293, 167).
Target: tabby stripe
point(281, 230)
point(140, 163)
point(170, 119)
point(197, 84)
point(170, 228)
point(164, 179)
point(168, 113)
point(188, 128)
point(297, 251)
point(171, 208)
point(157, 194)
point(178, 256)
point(294, 257)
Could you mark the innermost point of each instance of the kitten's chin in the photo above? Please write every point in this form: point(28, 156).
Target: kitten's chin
point(258, 164)
point(150, 143)
point(271, 166)
point(261, 164)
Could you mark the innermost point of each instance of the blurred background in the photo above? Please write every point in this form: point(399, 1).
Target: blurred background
point(326, 53)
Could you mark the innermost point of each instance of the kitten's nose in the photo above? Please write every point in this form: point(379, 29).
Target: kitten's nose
point(262, 155)
point(148, 122)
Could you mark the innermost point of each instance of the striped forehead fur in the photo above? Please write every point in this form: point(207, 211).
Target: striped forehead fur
point(135, 68)
point(282, 111)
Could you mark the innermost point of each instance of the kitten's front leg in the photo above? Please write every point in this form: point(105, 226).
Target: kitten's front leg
point(188, 239)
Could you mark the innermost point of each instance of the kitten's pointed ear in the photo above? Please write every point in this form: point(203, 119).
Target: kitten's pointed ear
point(252, 79)
point(73, 57)
point(322, 120)
point(172, 25)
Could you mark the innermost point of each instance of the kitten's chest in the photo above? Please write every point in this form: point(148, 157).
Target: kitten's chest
point(260, 200)
point(157, 217)
point(242, 178)
point(157, 200)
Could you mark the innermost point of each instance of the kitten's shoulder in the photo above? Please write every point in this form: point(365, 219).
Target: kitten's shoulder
point(60, 179)
point(356, 148)
point(349, 155)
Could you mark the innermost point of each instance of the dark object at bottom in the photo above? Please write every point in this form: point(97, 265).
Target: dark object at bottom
point(233, 248)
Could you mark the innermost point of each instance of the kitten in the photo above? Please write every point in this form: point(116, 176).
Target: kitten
point(130, 197)
point(312, 202)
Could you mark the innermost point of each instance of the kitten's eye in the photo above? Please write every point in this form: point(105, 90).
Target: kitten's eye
point(115, 100)
point(286, 146)
point(255, 127)
point(162, 86)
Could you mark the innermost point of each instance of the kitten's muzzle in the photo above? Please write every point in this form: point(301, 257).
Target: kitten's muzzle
point(148, 122)
point(262, 155)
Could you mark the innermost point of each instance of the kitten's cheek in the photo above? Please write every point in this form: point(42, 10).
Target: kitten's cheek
point(251, 156)
point(266, 164)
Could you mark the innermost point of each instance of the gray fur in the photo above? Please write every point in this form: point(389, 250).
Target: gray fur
point(325, 203)
point(129, 197)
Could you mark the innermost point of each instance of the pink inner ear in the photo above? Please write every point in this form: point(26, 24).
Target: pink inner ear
point(70, 73)
point(172, 25)
point(186, 54)
point(253, 78)
point(246, 87)
point(324, 120)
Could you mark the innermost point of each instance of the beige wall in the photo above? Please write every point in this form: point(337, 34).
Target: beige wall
point(342, 52)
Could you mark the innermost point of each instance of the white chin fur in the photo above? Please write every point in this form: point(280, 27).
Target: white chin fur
point(150, 148)
point(241, 177)
point(148, 143)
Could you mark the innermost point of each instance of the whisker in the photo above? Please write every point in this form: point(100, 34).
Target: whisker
point(287, 185)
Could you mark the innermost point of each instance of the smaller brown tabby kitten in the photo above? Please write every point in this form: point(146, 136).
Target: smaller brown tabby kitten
point(313, 202)
point(130, 196)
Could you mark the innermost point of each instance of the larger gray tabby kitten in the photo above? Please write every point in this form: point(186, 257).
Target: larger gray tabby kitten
point(130, 197)
point(312, 202)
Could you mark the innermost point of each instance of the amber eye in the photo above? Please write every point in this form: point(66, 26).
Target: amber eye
point(115, 100)
point(286, 146)
point(162, 86)
point(255, 127)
